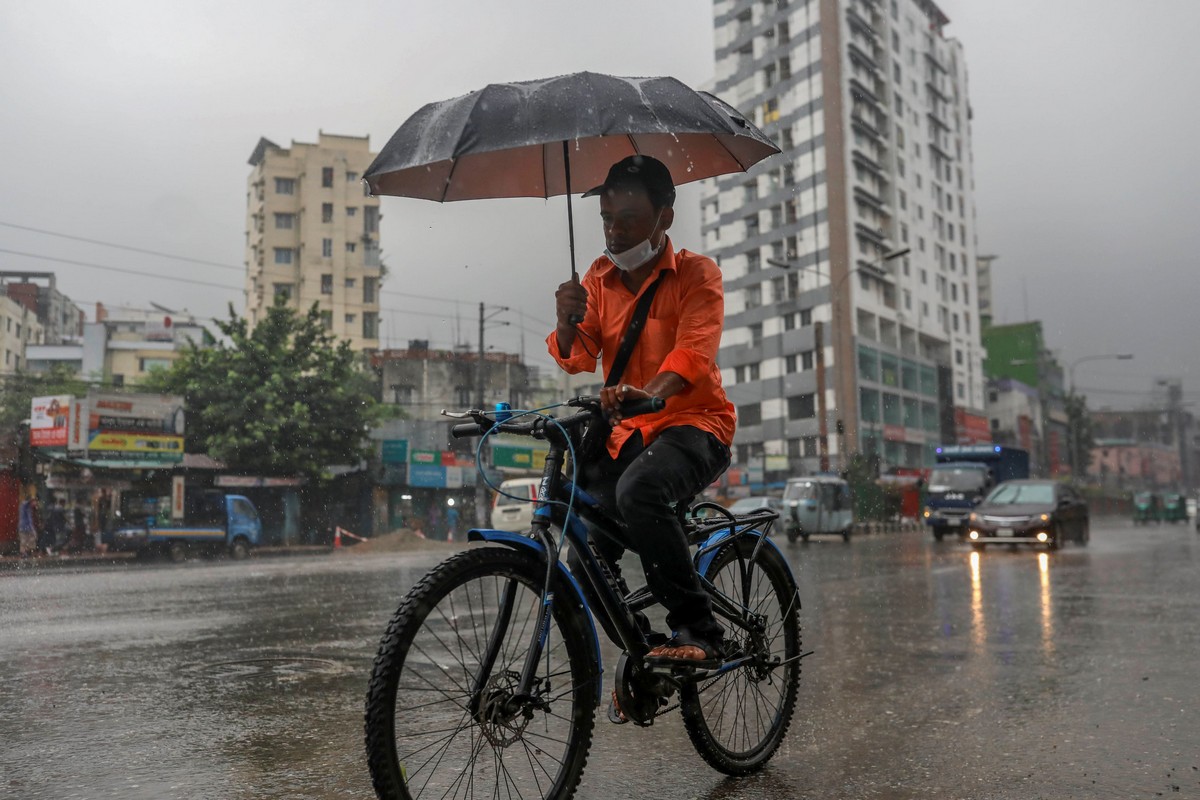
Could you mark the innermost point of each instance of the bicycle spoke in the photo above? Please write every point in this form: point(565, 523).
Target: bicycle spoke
point(459, 732)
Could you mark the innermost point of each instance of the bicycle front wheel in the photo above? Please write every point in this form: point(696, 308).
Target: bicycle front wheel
point(737, 720)
point(443, 716)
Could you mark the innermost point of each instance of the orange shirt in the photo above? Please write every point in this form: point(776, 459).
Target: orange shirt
point(681, 335)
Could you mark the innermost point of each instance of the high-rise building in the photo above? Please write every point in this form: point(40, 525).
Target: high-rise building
point(849, 259)
point(312, 235)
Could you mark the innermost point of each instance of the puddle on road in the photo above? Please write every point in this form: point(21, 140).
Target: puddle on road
point(274, 667)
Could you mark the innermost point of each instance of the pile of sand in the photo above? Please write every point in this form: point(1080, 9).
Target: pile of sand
point(398, 541)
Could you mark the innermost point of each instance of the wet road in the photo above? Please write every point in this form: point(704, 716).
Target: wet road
point(938, 673)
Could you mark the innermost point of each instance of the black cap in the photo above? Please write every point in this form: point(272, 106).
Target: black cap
point(645, 172)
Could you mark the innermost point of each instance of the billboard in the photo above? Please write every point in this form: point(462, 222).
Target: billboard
point(130, 427)
point(49, 418)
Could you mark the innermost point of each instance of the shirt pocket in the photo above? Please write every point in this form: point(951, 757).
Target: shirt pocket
point(655, 344)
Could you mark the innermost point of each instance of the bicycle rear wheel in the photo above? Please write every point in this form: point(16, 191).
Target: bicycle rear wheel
point(737, 720)
point(430, 734)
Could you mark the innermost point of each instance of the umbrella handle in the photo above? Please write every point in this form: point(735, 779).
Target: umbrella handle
point(574, 319)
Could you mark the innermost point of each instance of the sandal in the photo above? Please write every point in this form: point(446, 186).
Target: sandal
point(615, 715)
point(686, 651)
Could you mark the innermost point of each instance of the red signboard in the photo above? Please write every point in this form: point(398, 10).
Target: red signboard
point(972, 428)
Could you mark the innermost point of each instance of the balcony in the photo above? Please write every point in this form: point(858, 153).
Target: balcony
point(860, 24)
point(860, 91)
point(933, 60)
point(866, 162)
point(864, 126)
point(861, 56)
point(937, 92)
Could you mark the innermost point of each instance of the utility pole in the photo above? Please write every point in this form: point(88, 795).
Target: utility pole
point(481, 493)
point(822, 422)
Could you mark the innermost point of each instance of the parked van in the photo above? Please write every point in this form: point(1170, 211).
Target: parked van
point(515, 513)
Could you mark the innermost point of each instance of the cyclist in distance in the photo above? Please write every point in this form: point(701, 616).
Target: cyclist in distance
point(653, 461)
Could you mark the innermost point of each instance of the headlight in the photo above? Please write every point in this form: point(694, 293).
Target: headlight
point(928, 511)
point(972, 516)
point(1045, 517)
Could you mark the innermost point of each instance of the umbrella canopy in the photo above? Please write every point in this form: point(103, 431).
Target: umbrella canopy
point(560, 136)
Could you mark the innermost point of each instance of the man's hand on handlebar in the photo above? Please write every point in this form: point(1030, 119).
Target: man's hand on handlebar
point(611, 398)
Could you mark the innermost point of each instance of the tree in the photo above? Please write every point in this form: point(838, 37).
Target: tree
point(1080, 433)
point(18, 390)
point(283, 399)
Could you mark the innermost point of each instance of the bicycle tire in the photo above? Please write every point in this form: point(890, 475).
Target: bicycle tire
point(719, 713)
point(420, 687)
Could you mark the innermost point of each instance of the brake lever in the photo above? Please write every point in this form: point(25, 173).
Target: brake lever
point(475, 415)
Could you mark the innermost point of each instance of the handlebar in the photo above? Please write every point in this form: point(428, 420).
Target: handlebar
point(589, 403)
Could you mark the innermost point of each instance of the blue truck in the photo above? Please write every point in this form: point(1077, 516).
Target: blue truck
point(214, 523)
point(963, 475)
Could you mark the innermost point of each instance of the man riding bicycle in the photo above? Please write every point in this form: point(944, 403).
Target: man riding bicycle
point(650, 463)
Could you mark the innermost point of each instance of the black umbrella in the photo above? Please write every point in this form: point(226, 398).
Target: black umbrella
point(560, 136)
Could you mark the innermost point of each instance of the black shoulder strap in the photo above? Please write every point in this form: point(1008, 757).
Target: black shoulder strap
point(636, 323)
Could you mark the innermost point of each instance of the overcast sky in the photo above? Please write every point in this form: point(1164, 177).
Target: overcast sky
point(132, 122)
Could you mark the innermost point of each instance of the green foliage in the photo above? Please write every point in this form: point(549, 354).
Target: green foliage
point(18, 390)
point(1082, 435)
point(283, 399)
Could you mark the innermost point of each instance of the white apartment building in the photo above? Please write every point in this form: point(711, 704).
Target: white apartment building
point(849, 259)
point(19, 331)
point(312, 235)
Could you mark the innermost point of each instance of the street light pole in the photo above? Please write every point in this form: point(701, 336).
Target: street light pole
point(1073, 419)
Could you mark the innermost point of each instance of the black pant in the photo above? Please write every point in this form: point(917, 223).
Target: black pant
point(642, 485)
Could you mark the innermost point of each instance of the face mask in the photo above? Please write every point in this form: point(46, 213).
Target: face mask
point(637, 256)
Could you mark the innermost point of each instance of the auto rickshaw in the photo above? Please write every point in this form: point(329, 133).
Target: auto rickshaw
point(1146, 508)
point(1174, 509)
point(817, 504)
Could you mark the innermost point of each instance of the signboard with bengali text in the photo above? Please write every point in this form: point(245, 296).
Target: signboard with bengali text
point(49, 419)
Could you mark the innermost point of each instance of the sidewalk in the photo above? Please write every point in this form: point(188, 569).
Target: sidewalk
point(11, 562)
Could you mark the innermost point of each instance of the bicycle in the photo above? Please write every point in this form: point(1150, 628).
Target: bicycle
point(489, 674)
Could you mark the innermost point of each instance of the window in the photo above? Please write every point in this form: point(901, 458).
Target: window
point(402, 394)
point(754, 296)
point(807, 359)
point(283, 290)
point(350, 319)
point(283, 255)
point(802, 406)
point(789, 365)
point(285, 186)
point(810, 446)
point(285, 221)
point(327, 320)
point(351, 247)
point(958, 357)
point(756, 334)
point(806, 317)
point(327, 284)
point(351, 211)
point(370, 323)
point(327, 248)
point(753, 371)
point(350, 283)
point(789, 322)
point(369, 289)
point(326, 212)
point(750, 414)
point(351, 177)
point(371, 219)
point(147, 364)
point(326, 177)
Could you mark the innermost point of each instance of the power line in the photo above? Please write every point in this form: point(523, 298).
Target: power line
point(122, 270)
point(120, 246)
point(206, 262)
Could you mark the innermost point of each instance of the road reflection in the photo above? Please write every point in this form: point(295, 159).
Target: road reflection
point(1008, 605)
